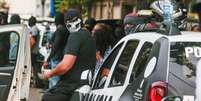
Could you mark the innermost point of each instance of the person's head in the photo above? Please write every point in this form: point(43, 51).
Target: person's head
point(196, 8)
point(105, 71)
point(98, 26)
point(15, 19)
point(102, 36)
point(90, 23)
point(32, 21)
point(59, 19)
point(73, 20)
point(195, 28)
point(3, 18)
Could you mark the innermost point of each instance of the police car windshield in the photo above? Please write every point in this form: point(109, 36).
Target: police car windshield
point(183, 60)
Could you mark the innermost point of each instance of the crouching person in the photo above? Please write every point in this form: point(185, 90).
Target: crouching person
point(79, 55)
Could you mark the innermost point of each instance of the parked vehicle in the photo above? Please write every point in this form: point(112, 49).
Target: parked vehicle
point(15, 70)
point(156, 65)
point(149, 66)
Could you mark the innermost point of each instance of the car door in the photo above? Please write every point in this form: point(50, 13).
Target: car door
point(184, 57)
point(115, 83)
point(8, 52)
point(136, 76)
point(14, 71)
point(100, 79)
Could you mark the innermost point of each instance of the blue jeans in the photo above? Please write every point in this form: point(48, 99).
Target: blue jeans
point(53, 80)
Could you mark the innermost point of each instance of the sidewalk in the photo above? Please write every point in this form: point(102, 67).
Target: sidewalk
point(35, 94)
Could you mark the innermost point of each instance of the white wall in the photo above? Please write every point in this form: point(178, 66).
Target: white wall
point(28, 7)
point(47, 7)
point(22, 7)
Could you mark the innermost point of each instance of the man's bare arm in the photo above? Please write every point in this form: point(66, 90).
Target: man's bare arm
point(65, 65)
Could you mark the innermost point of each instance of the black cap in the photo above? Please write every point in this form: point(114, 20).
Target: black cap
point(71, 13)
point(15, 19)
point(32, 21)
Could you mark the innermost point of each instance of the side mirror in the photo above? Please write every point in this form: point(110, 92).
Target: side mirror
point(172, 98)
point(81, 92)
point(87, 76)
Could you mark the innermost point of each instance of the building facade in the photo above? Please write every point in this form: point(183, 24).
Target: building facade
point(116, 9)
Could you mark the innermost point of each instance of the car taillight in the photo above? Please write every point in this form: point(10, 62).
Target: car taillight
point(157, 91)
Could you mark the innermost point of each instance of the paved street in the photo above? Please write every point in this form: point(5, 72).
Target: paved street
point(35, 94)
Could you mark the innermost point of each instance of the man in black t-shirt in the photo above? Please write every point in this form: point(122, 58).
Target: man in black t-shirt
point(79, 56)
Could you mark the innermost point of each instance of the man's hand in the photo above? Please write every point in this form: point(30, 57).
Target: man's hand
point(47, 74)
point(45, 64)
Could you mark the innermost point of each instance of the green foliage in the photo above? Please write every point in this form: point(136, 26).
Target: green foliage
point(58, 5)
point(61, 5)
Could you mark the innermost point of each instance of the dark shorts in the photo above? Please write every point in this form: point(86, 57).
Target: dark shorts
point(48, 96)
point(59, 92)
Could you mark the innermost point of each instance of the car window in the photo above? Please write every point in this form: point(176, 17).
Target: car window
point(105, 68)
point(9, 42)
point(46, 38)
point(141, 60)
point(183, 60)
point(120, 71)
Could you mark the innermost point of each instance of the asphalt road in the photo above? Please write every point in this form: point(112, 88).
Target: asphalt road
point(35, 94)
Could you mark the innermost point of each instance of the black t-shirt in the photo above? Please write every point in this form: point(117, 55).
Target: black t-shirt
point(81, 45)
point(58, 41)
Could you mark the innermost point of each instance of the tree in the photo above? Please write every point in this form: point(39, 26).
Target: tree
point(58, 5)
point(83, 5)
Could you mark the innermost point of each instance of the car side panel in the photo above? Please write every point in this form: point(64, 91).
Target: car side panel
point(138, 90)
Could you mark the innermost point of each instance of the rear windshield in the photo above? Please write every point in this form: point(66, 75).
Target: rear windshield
point(183, 60)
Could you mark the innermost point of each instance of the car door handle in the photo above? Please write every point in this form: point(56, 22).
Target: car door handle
point(5, 74)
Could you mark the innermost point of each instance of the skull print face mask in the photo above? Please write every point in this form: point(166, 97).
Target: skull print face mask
point(74, 25)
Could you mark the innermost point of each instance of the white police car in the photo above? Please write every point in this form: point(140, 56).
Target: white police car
point(147, 66)
point(15, 63)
